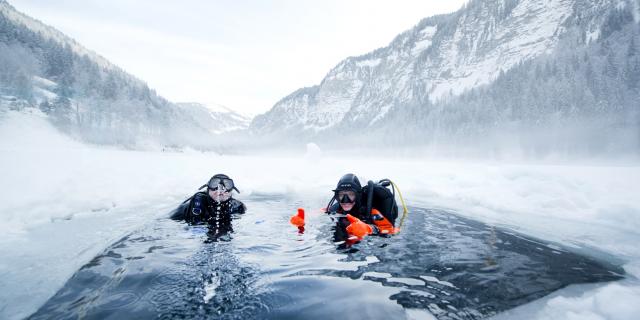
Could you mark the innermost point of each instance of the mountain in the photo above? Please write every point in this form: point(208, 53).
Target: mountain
point(458, 81)
point(90, 98)
point(216, 118)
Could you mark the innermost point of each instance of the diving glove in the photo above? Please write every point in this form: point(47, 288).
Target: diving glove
point(357, 228)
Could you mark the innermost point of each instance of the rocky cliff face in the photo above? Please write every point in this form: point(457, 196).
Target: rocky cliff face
point(439, 59)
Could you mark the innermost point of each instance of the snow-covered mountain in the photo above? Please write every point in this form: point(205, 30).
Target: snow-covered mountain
point(215, 117)
point(442, 57)
point(51, 33)
point(90, 98)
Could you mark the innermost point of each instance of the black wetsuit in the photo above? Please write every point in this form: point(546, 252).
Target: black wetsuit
point(201, 209)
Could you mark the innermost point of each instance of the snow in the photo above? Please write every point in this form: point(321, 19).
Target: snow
point(53, 34)
point(317, 110)
point(334, 101)
point(424, 42)
point(597, 302)
point(530, 30)
point(636, 11)
point(419, 314)
point(371, 63)
point(39, 165)
point(62, 202)
point(44, 94)
point(593, 35)
point(360, 86)
point(407, 281)
point(218, 118)
point(377, 274)
point(604, 303)
point(436, 280)
point(44, 83)
point(313, 151)
point(219, 108)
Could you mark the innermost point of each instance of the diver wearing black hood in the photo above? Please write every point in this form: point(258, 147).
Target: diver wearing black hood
point(347, 196)
point(351, 198)
point(215, 207)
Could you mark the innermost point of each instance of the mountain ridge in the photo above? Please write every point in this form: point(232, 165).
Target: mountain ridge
point(87, 96)
point(430, 67)
point(402, 58)
point(52, 33)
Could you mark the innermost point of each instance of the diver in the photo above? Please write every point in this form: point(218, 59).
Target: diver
point(362, 211)
point(359, 211)
point(216, 207)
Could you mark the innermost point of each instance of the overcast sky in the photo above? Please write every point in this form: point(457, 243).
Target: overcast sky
point(244, 54)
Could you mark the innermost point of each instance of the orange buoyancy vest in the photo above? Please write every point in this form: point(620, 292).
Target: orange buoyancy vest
point(383, 224)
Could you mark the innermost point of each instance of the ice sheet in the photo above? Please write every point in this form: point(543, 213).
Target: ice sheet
point(59, 196)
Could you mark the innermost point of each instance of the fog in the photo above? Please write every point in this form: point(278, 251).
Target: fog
point(548, 147)
point(52, 182)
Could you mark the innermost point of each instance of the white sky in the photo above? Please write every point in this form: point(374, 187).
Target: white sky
point(244, 54)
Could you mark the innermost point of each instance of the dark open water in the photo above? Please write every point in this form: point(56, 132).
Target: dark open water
point(441, 263)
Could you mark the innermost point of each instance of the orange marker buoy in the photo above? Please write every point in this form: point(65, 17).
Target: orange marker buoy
point(298, 219)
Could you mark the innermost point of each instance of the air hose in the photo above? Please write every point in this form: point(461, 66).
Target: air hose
point(405, 211)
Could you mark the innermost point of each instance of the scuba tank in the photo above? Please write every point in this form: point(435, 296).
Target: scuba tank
point(381, 205)
point(380, 197)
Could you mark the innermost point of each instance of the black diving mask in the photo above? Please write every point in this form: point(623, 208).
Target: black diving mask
point(222, 181)
point(346, 197)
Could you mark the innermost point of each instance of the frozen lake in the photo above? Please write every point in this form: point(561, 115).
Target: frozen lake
point(62, 203)
point(441, 264)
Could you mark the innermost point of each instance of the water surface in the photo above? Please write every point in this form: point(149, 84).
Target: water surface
point(441, 264)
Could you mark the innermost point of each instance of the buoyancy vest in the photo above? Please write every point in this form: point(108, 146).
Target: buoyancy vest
point(201, 209)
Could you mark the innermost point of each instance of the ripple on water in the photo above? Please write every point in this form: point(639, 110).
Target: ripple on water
point(440, 264)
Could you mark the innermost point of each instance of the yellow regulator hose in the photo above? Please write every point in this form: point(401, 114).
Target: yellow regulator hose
point(404, 206)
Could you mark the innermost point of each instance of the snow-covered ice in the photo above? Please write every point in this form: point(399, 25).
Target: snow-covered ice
point(62, 202)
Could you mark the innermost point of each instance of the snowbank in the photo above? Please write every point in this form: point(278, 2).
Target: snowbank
point(80, 198)
point(47, 176)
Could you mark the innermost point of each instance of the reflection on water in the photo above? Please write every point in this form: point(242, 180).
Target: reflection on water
point(460, 268)
point(452, 267)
